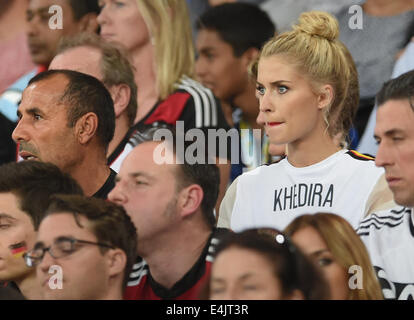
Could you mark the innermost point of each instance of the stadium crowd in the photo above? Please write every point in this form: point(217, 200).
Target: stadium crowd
point(196, 150)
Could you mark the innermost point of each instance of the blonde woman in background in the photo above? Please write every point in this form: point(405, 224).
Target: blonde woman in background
point(335, 247)
point(157, 36)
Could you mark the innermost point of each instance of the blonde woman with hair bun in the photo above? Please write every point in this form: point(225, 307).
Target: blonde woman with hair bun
point(332, 243)
point(307, 87)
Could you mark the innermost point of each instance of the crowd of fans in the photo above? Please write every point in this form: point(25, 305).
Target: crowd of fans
point(112, 185)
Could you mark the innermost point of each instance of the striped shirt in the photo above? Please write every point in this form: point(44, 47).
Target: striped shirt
point(389, 238)
point(141, 286)
point(192, 104)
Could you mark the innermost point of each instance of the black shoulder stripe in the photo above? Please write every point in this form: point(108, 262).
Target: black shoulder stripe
point(138, 273)
point(403, 209)
point(393, 214)
point(381, 220)
point(380, 226)
point(359, 156)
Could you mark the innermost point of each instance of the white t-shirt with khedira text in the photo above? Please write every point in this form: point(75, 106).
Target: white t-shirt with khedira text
point(347, 183)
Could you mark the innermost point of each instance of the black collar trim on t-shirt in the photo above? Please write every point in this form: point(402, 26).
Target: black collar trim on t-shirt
point(109, 184)
point(120, 147)
point(141, 123)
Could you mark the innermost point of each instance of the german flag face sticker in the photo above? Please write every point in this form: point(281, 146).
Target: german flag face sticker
point(18, 249)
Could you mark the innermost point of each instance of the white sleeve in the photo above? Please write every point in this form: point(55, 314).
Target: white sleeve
point(226, 207)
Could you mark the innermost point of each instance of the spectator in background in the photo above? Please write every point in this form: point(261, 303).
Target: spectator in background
point(198, 7)
point(93, 242)
point(405, 63)
point(67, 118)
point(25, 192)
point(389, 234)
point(162, 53)
point(285, 13)
point(374, 46)
point(229, 40)
point(89, 54)
point(263, 264)
point(332, 243)
point(16, 61)
point(14, 51)
point(78, 16)
point(172, 206)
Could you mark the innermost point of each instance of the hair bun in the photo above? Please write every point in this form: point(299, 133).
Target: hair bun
point(318, 23)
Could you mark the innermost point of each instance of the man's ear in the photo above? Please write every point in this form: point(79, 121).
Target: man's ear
point(121, 94)
point(116, 259)
point(89, 23)
point(189, 199)
point(86, 127)
point(325, 96)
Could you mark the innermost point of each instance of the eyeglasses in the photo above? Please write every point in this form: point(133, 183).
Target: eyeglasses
point(62, 247)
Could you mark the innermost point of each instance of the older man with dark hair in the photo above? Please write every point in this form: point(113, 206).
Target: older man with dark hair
point(67, 118)
point(90, 54)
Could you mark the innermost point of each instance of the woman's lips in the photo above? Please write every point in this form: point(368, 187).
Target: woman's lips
point(272, 124)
